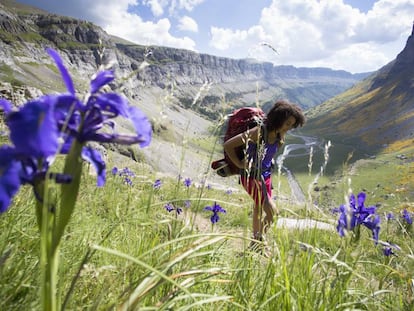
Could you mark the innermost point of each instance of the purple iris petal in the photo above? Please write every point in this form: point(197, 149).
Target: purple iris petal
point(115, 138)
point(361, 199)
point(342, 221)
point(390, 216)
point(387, 251)
point(407, 216)
point(112, 103)
point(169, 207)
point(128, 181)
point(5, 105)
point(157, 184)
point(63, 71)
point(94, 157)
point(102, 78)
point(142, 126)
point(9, 176)
point(372, 222)
point(114, 170)
point(388, 248)
point(352, 201)
point(187, 182)
point(33, 129)
point(92, 123)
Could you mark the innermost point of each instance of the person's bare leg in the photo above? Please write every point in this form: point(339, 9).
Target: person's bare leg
point(270, 211)
point(257, 222)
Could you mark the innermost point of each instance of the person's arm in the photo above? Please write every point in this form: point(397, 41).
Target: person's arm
point(231, 145)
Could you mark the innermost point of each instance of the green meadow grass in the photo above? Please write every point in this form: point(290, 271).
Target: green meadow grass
point(123, 251)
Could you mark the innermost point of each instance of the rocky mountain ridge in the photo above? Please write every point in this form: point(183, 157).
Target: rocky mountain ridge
point(149, 72)
point(379, 111)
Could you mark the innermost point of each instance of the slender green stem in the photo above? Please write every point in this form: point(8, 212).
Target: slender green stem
point(48, 254)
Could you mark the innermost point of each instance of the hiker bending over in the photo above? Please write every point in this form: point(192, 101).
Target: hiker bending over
point(261, 144)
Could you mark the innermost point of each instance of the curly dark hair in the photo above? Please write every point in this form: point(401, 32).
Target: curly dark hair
point(281, 111)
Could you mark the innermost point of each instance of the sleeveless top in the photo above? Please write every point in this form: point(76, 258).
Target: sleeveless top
point(261, 159)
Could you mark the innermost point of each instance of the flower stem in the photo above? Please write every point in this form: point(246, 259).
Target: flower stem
point(48, 257)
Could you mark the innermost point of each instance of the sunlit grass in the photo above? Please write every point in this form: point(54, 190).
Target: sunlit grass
point(123, 248)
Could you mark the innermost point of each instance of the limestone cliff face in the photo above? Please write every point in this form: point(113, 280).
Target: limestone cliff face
point(24, 35)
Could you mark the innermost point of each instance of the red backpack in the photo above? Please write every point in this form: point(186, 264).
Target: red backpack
point(239, 121)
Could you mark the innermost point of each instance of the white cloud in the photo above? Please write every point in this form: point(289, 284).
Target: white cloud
point(187, 5)
point(115, 19)
point(304, 32)
point(156, 6)
point(186, 23)
point(325, 32)
point(131, 27)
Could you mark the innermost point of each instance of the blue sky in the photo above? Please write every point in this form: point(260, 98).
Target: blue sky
point(352, 35)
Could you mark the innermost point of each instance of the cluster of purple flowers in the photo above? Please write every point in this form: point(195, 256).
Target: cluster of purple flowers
point(62, 124)
point(215, 209)
point(356, 214)
point(125, 173)
point(170, 207)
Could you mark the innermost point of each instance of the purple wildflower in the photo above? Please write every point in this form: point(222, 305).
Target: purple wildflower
point(114, 170)
point(390, 216)
point(359, 212)
point(359, 215)
point(169, 207)
point(387, 251)
point(407, 216)
point(126, 172)
point(187, 203)
point(157, 184)
point(128, 181)
point(187, 182)
point(215, 209)
point(389, 248)
point(60, 123)
point(84, 120)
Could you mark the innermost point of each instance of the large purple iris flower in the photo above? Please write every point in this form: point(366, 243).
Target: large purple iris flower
point(87, 118)
point(358, 215)
point(51, 124)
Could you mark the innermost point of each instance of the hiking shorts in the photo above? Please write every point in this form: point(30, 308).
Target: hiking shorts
point(257, 189)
